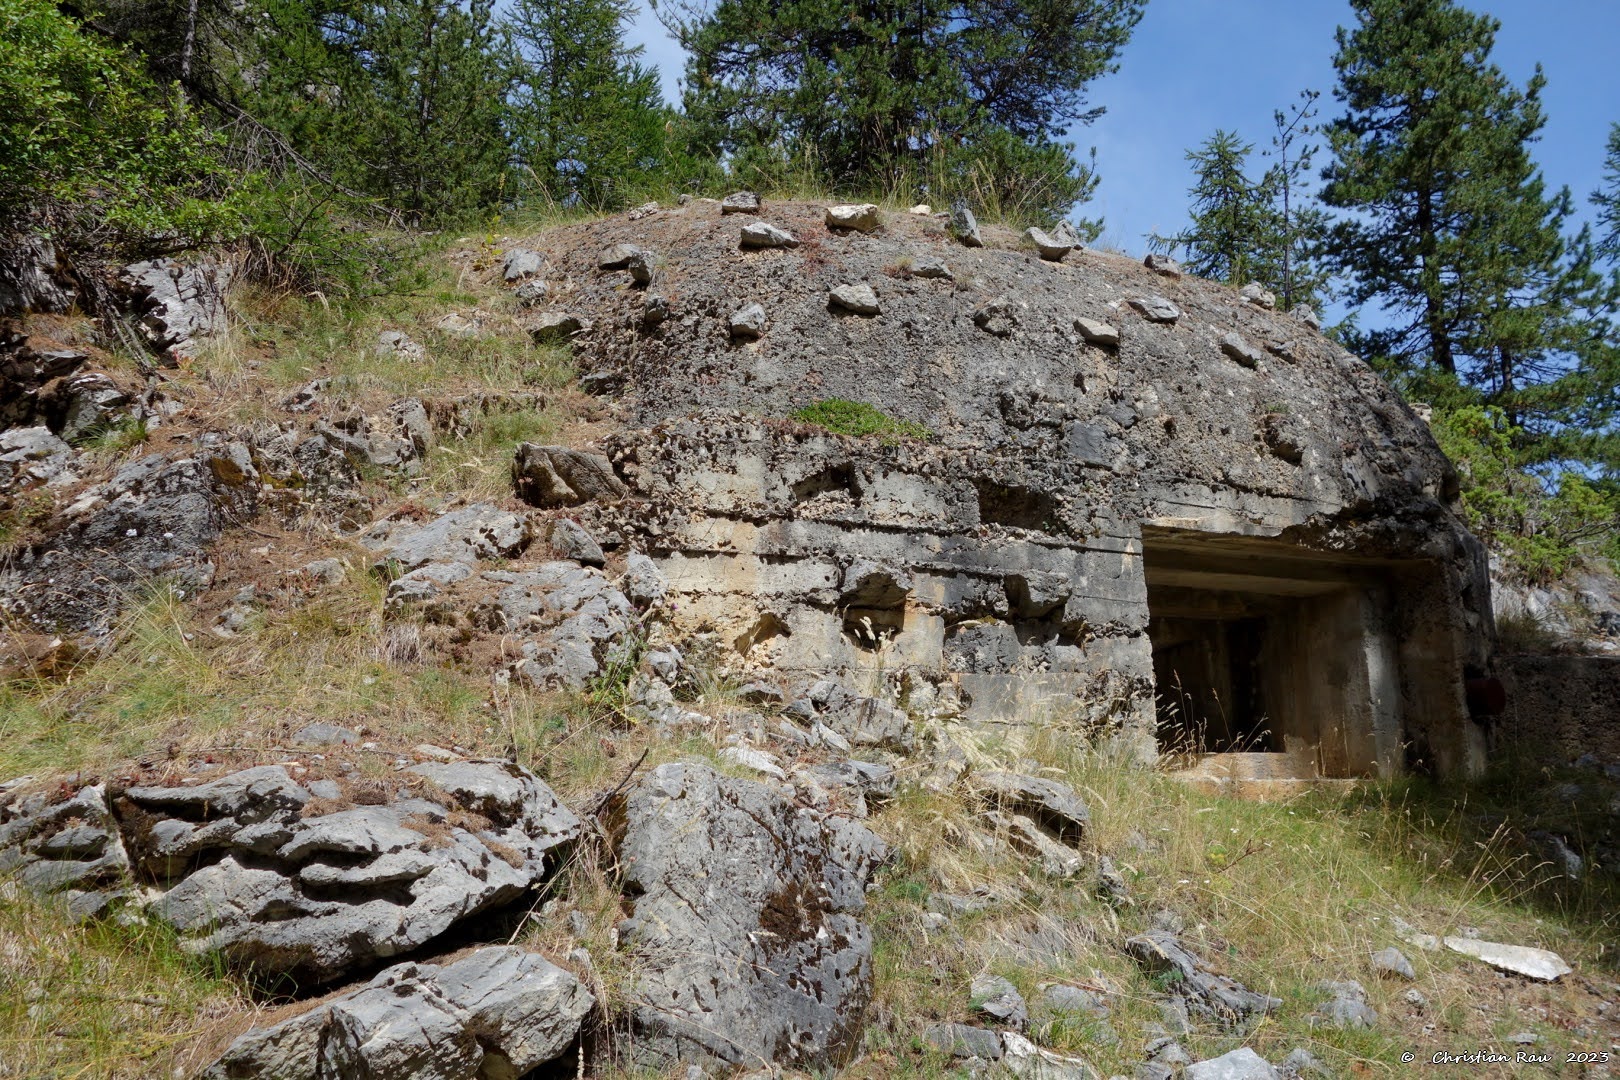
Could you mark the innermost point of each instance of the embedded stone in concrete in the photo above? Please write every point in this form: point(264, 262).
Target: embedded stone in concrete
point(748, 323)
point(1050, 248)
point(860, 217)
point(1097, 332)
point(859, 299)
point(1155, 308)
point(740, 202)
point(762, 234)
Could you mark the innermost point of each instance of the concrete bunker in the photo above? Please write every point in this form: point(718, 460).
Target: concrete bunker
point(1273, 661)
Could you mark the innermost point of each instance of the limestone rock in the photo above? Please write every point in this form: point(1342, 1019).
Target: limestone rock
point(1054, 805)
point(1024, 835)
point(1050, 248)
point(571, 620)
point(1241, 1064)
point(496, 1014)
point(1539, 964)
point(864, 721)
point(521, 264)
point(740, 202)
point(157, 517)
point(1205, 993)
point(1392, 963)
point(965, 227)
point(570, 540)
point(532, 292)
point(745, 937)
point(762, 234)
point(931, 267)
point(1155, 308)
point(1163, 265)
point(399, 343)
point(747, 323)
point(32, 277)
point(857, 298)
point(998, 316)
point(1347, 1006)
point(550, 476)
point(654, 310)
point(33, 456)
point(69, 847)
point(964, 1041)
point(314, 897)
point(556, 327)
point(861, 217)
point(1258, 295)
point(1240, 349)
point(180, 305)
point(870, 584)
point(1307, 315)
point(1301, 1063)
point(421, 587)
point(1000, 1000)
point(475, 532)
point(1097, 332)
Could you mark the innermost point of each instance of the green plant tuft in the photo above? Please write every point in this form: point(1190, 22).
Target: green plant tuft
point(858, 419)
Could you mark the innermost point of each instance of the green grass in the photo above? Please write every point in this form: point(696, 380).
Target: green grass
point(858, 419)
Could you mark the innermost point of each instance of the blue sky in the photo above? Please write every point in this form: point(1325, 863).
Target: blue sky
point(1195, 65)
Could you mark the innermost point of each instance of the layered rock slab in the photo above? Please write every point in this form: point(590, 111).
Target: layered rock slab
point(745, 935)
point(497, 1014)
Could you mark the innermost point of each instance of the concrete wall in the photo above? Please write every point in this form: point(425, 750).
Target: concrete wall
point(1559, 707)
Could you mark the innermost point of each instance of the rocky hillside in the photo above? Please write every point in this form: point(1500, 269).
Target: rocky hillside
point(708, 643)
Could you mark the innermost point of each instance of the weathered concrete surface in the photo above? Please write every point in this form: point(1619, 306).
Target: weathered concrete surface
point(1059, 460)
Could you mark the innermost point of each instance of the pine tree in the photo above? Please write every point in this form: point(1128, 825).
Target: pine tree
point(1300, 221)
point(944, 97)
point(1233, 228)
point(1607, 199)
point(1452, 232)
point(588, 120)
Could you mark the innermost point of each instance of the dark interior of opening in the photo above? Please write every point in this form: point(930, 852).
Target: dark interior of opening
point(1211, 695)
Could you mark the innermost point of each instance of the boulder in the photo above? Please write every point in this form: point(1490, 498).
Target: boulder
point(1049, 247)
point(1258, 295)
point(570, 540)
point(747, 323)
point(965, 227)
point(521, 264)
point(762, 234)
point(1163, 265)
point(556, 327)
point(744, 936)
point(243, 871)
point(857, 298)
point(640, 266)
point(1307, 315)
point(179, 305)
point(1022, 834)
point(931, 267)
point(860, 217)
point(1054, 805)
point(1241, 1064)
point(32, 277)
point(33, 456)
point(475, 532)
point(496, 1014)
point(654, 310)
point(532, 292)
point(551, 476)
point(740, 202)
point(399, 343)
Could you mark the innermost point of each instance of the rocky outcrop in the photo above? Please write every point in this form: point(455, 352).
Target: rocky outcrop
point(179, 305)
point(497, 1014)
point(1203, 992)
point(744, 929)
point(285, 883)
point(158, 517)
